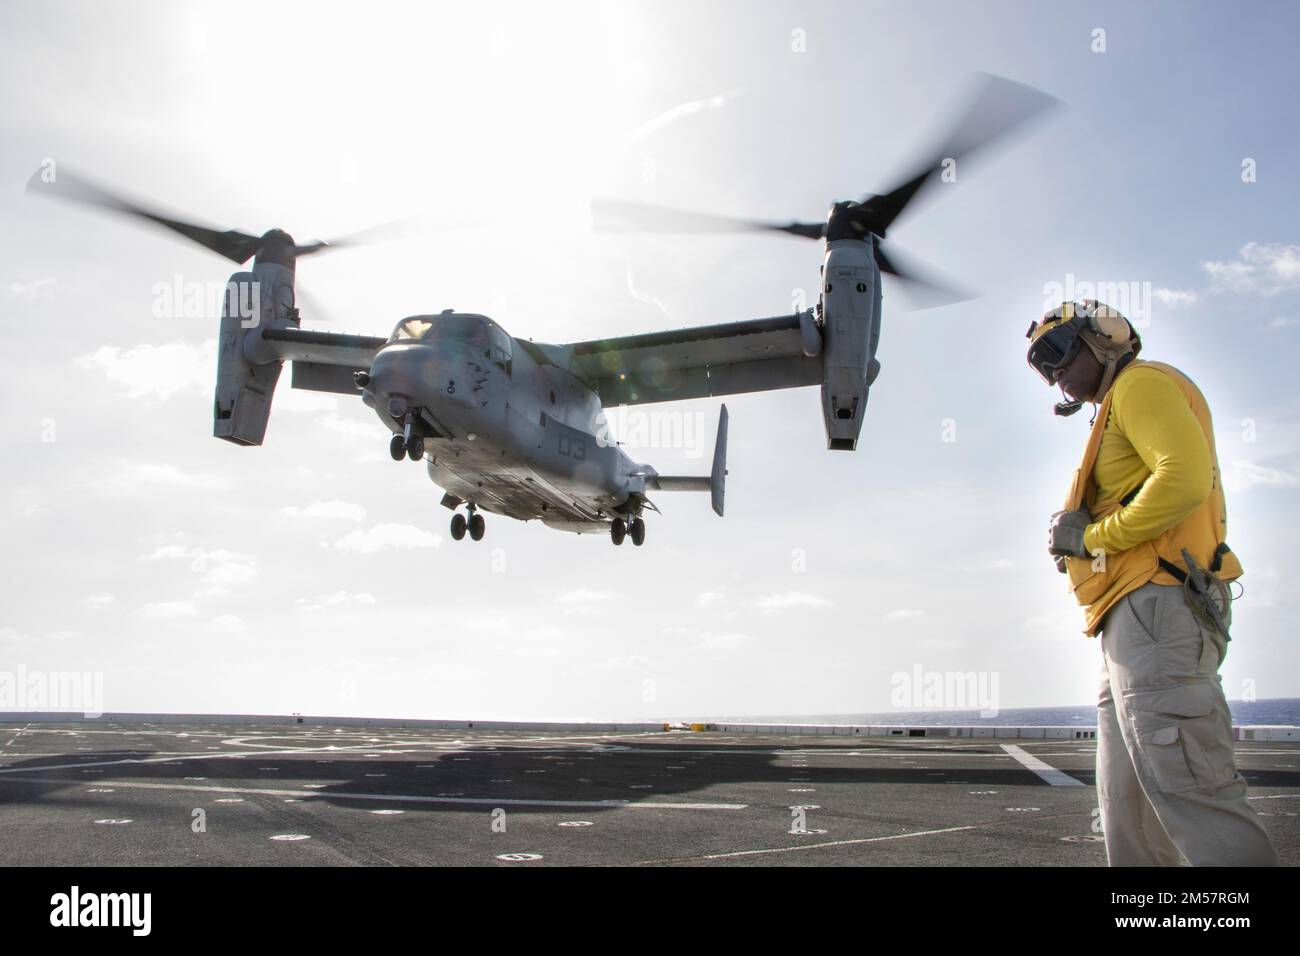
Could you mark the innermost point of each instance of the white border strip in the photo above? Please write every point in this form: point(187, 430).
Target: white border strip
point(1057, 778)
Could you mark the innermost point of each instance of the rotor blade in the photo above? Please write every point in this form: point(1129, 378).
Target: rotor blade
point(924, 290)
point(384, 232)
point(997, 107)
point(235, 246)
point(618, 215)
point(315, 312)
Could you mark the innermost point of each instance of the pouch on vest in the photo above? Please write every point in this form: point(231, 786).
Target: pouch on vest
point(1092, 577)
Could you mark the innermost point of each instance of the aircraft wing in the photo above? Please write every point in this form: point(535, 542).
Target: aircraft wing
point(324, 361)
point(754, 355)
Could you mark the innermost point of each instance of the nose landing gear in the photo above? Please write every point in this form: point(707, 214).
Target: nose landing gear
point(408, 444)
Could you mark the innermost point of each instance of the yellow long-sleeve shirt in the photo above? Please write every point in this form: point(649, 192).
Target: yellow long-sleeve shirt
point(1153, 440)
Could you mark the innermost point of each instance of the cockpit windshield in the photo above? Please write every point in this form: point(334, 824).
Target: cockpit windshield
point(415, 328)
point(471, 329)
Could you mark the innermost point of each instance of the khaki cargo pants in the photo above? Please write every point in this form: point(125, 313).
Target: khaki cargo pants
point(1166, 779)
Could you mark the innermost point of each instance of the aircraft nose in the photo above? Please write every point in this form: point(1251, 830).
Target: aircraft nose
point(413, 372)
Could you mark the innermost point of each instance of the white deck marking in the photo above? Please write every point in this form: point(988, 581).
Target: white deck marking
point(312, 796)
point(818, 846)
point(1057, 778)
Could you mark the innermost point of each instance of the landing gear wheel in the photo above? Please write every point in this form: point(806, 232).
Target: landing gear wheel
point(476, 527)
point(458, 526)
point(415, 450)
point(397, 447)
point(618, 530)
point(637, 532)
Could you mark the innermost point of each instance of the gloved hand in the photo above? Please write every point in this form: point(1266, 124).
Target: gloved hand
point(1065, 535)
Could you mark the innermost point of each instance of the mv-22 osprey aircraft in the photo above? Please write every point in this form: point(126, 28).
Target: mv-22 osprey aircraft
point(516, 427)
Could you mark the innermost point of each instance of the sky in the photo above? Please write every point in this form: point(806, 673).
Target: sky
point(314, 575)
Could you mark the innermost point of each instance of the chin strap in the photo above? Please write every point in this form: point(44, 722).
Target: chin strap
point(1112, 363)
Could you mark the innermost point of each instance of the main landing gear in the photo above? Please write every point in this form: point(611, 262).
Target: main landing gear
point(620, 529)
point(408, 444)
point(474, 524)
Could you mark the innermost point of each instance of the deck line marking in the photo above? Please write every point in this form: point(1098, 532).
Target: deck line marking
point(412, 750)
point(307, 795)
point(1057, 778)
point(818, 846)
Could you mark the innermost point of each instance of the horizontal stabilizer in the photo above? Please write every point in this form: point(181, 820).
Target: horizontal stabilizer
point(679, 483)
point(714, 483)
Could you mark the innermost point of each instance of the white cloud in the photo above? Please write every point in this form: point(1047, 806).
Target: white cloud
point(615, 663)
point(337, 599)
point(9, 636)
point(168, 610)
point(585, 596)
point(225, 567)
point(788, 600)
point(1059, 622)
point(156, 372)
point(708, 598)
point(903, 614)
point(1283, 322)
point(97, 601)
point(544, 632)
point(219, 569)
point(228, 624)
point(721, 642)
point(383, 537)
point(169, 551)
point(36, 289)
point(345, 510)
point(1263, 268)
point(996, 564)
point(352, 430)
point(1243, 475)
point(1176, 298)
point(143, 478)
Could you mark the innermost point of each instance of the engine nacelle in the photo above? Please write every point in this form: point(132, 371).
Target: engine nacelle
point(850, 301)
point(247, 370)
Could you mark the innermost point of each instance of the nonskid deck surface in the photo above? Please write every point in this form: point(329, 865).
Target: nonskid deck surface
point(97, 793)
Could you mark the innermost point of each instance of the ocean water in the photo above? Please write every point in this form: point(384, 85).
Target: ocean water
point(1283, 710)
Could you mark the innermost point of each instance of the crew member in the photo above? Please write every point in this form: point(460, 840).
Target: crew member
point(1143, 539)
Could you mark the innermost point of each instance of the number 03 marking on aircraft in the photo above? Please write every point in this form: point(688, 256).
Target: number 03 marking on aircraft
point(572, 449)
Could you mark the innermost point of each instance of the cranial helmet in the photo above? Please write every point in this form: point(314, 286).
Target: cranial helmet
point(1055, 339)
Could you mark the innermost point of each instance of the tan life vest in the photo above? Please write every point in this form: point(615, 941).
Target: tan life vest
point(1098, 582)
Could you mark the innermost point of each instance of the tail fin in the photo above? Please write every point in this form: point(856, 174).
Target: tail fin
point(714, 484)
point(718, 478)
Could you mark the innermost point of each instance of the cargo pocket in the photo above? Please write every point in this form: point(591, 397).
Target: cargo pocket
point(1181, 737)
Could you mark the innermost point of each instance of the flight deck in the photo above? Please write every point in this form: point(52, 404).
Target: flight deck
point(208, 792)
